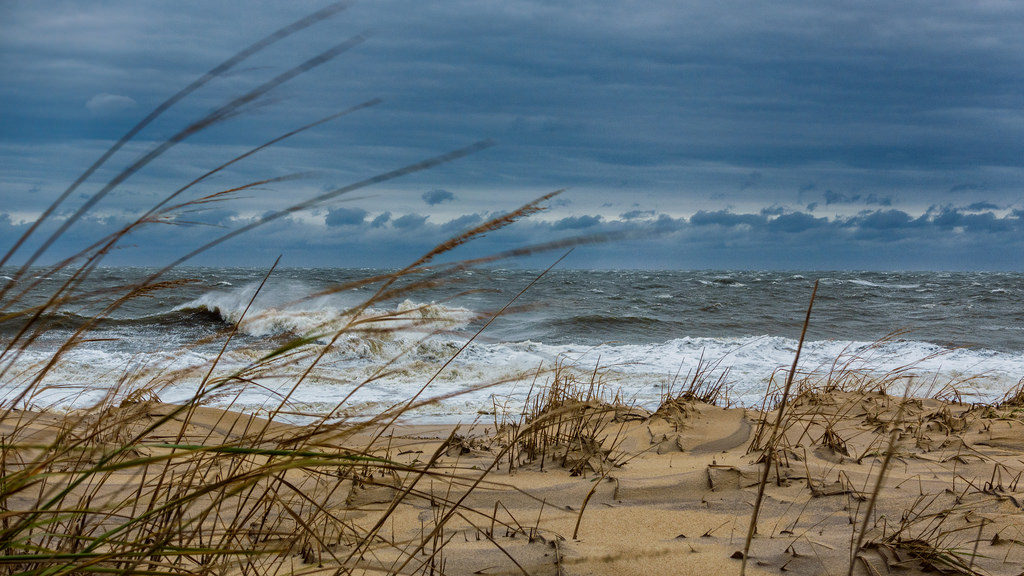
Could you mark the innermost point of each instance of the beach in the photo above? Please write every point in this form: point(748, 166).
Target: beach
point(573, 486)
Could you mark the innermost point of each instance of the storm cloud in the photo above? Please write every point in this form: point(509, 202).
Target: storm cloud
point(438, 196)
point(873, 130)
point(345, 216)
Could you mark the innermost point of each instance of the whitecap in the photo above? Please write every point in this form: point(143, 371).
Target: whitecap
point(642, 371)
point(290, 308)
point(874, 285)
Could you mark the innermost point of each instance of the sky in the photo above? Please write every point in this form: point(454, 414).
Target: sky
point(726, 135)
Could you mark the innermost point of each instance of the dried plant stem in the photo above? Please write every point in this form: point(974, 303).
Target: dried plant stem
point(879, 482)
point(768, 451)
point(583, 506)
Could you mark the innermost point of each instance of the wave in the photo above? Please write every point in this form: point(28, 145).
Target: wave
point(723, 281)
point(286, 310)
point(643, 316)
point(751, 361)
point(610, 327)
point(875, 285)
point(291, 309)
point(192, 317)
point(641, 371)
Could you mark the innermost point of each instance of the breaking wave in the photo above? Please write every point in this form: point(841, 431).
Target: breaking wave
point(292, 310)
point(352, 365)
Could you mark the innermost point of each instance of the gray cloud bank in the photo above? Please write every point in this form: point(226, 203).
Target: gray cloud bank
point(943, 237)
point(752, 134)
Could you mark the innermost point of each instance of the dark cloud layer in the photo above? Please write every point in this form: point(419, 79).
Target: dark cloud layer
point(840, 198)
point(409, 222)
point(345, 216)
point(874, 239)
point(829, 133)
point(438, 196)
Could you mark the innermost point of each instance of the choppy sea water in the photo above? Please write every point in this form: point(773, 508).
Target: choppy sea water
point(643, 331)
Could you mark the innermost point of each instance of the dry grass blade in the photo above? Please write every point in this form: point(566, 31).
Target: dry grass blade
point(768, 452)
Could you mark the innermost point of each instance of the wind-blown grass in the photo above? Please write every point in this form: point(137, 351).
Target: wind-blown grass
point(134, 486)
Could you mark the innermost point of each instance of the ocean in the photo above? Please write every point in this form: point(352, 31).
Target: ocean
point(641, 332)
